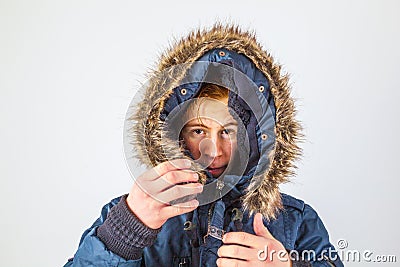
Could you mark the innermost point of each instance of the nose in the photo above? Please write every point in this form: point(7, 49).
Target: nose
point(211, 147)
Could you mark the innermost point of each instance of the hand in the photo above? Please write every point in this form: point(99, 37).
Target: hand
point(152, 192)
point(244, 249)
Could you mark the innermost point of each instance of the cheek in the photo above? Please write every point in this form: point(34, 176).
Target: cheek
point(229, 148)
point(232, 148)
point(193, 147)
point(231, 143)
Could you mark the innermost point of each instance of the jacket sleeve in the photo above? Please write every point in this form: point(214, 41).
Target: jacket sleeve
point(93, 252)
point(312, 242)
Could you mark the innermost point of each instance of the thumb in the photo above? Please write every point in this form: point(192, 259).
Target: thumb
point(259, 227)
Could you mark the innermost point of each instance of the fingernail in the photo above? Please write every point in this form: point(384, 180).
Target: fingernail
point(195, 176)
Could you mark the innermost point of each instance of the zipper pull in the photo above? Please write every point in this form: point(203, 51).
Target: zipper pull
point(204, 238)
point(182, 262)
point(220, 184)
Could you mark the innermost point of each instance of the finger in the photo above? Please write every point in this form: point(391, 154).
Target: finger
point(178, 209)
point(259, 227)
point(179, 191)
point(237, 252)
point(173, 178)
point(154, 187)
point(165, 167)
point(226, 262)
point(241, 238)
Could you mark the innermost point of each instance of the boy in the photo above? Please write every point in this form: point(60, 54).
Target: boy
point(217, 129)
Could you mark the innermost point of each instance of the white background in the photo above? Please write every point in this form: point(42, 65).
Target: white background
point(68, 71)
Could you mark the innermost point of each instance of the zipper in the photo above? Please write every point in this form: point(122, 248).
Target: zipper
point(218, 186)
point(210, 211)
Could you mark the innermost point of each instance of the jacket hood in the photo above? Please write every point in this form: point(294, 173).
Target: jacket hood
point(229, 56)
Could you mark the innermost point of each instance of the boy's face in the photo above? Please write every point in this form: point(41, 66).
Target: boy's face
point(210, 134)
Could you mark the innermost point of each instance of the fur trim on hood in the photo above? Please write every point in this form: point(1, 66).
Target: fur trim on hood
point(152, 147)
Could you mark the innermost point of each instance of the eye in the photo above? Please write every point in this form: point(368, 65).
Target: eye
point(198, 131)
point(228, 131)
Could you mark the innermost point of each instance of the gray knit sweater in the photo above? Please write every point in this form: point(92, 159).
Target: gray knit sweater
point(124, 234)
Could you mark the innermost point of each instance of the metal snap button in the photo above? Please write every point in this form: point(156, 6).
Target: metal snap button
point(183, 91)
point(264, 137)
point(261, 88)
point(221, 53)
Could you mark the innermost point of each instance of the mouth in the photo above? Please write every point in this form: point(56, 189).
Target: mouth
point(215, 172)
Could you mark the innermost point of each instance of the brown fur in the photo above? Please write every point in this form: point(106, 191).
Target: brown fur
point(152, 148)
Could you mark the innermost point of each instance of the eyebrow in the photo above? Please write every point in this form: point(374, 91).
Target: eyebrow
point(197, 124)
point(234, 123)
